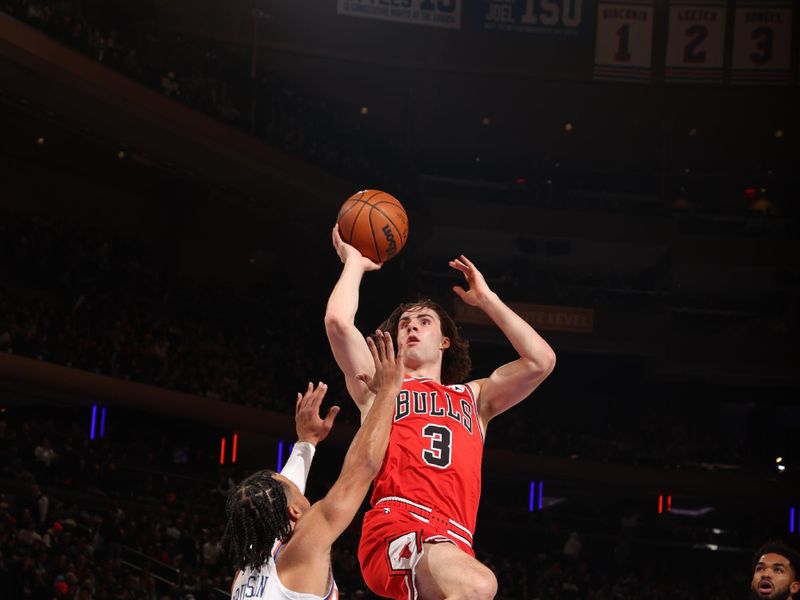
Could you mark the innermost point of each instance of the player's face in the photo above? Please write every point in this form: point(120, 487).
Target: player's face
point(294, 497)
point(773, 578)
point(419, 330)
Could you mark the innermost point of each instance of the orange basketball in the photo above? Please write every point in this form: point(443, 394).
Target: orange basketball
point(375, 223)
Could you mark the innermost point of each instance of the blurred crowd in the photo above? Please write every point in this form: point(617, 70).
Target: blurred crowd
point(84, 300)
point(218, 80)
point(138, 515)
point(665, 438)
point(101, 304)
point(221, 80)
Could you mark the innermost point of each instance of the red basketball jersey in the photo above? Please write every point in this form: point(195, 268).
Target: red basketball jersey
point(435, 450)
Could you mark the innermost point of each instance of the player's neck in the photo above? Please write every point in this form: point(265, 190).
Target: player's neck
point(429, 371)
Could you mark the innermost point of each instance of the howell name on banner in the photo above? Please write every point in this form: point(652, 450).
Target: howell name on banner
point(540, 316)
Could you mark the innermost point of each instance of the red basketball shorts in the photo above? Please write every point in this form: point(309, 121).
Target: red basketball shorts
point(391, 544)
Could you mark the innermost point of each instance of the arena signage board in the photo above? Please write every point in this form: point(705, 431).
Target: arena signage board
point(543, 17)
point(436, 13)
point(569, 319)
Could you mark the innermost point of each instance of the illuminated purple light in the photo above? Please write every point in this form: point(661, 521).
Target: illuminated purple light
point(541, 489)
point(791, 520)
point(280, 455)
point(94, 421)
point(532, 497)
point(103, 421)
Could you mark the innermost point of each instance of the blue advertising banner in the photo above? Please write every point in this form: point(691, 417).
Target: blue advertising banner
point(541, 17)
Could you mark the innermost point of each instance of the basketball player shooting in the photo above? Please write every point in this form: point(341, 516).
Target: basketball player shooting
point(416, 540)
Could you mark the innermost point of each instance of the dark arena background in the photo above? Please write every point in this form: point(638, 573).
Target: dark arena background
point(625, 174)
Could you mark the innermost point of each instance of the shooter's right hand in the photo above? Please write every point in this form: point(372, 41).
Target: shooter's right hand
point(347, 252)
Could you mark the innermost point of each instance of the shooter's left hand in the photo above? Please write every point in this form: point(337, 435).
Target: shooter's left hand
point(479, 291)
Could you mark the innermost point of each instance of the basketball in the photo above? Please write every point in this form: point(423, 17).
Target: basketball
point(375, 223)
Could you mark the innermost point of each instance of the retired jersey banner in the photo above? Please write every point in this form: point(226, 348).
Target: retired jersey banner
point(696, 41)
point(437, 13)
point(541, 17)
point(762, 42)
point(539, 316)
point(624, 43)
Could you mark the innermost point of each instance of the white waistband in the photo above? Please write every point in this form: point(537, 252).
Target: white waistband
point(425, 509)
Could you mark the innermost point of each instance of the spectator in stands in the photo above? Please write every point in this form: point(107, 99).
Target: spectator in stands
point(572, 548)
point(170, 85)
point(40, 505)
point(44, 453)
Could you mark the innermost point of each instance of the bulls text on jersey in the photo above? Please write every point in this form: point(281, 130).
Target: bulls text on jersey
point(430, 403)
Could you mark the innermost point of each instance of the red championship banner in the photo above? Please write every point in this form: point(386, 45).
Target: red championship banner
point(539, 316)
point(762, 42)
point(696, 41)
point(624, 43)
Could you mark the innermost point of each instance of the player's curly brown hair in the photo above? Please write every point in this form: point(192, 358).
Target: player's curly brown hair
point(456, 363)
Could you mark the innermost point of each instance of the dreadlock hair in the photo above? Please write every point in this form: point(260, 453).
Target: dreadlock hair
point(456, 363)
point(258, 514)
point(787, 552)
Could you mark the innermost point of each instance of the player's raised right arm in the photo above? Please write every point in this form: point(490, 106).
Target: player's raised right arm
point(349, 347)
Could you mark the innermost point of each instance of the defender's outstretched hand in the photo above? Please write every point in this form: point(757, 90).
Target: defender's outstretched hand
point(347, 252)
point(310, 427)
point(479, 290)
point(389, 369)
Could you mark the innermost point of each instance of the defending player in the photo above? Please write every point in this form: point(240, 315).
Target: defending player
point(428, 489)
point(278, 541)
point(776, 573)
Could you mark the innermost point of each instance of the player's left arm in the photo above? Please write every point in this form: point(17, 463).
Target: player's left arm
point(513, 382)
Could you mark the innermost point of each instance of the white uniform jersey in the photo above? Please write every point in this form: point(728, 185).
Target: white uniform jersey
point(263, 583)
